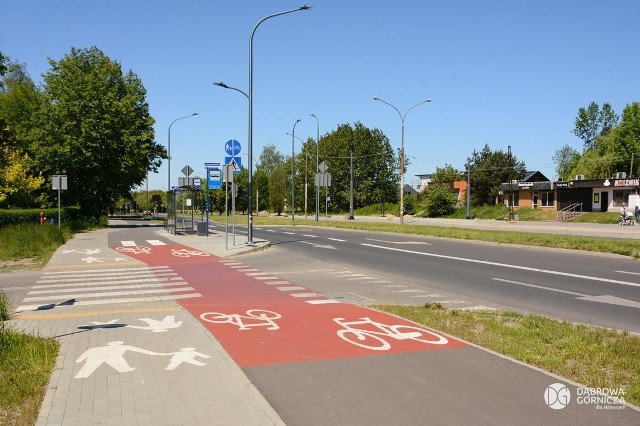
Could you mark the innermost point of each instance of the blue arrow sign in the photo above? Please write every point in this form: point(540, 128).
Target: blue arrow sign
point(232, 147)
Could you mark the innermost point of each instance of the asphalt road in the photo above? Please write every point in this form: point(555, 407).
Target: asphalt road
point(590, 288)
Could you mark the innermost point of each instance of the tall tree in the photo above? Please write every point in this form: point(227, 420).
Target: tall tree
point(488, 170)
point(270, 158)
point(615, 151)
point(279, 187)
point(21, 183)
point(592, 122)
point(96, 128)
point(447, 175)
point(566, 159)
point(374, 161)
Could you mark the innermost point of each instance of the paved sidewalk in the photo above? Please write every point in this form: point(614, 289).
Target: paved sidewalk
point(174, 372)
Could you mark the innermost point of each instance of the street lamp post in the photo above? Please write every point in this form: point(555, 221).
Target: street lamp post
point(305, 173)
point(293, 172)
point(402, 117)
point(169, 149)
point(317, 165)
point(250, 141)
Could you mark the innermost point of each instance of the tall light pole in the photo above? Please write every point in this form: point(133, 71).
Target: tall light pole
point(293, 171)
point(250, 141)
point(402, 117)
point(169, 148)
point(305, 173)
point(317, 165)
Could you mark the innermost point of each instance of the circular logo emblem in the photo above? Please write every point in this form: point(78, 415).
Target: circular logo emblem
point(557, 396)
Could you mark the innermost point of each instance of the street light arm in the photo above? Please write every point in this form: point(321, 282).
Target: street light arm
point(169, 148)
point(419, 103)
point(224, 86)
point(375, 98)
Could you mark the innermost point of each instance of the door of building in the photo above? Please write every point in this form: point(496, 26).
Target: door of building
point(604, 201)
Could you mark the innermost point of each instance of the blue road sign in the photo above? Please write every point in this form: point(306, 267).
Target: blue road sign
point(235, 162)
point(232, 147)
point(214, 179)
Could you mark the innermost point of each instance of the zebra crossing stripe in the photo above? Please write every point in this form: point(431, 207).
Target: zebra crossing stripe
point(99, 271)
point(322, 301)
point(113, 301)
point(109, 294)
point(129, 243)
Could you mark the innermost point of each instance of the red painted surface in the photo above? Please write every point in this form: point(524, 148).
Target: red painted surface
point(259, 324)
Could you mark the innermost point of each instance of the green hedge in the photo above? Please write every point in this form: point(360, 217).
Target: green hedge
point(15, 217)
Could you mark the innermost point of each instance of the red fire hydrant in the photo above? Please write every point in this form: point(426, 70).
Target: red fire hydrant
point(42, 218)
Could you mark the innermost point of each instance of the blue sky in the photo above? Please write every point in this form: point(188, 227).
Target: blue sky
point(499, 72)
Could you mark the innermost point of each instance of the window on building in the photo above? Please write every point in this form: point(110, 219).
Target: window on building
point(514, 199)
point(621, 197)
point(546, 199)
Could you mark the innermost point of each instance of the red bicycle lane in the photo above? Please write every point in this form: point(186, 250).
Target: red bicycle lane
point(261, 319)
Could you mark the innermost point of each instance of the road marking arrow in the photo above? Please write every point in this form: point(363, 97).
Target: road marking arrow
point(325, 246)
point(612, 300)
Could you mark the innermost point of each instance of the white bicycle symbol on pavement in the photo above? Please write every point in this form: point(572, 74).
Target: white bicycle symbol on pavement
point(188, 253)
point(370, 339)
point(134, 249)
point(260, 318)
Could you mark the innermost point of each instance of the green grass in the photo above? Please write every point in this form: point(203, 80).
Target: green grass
point(28, 241)
point(26, 363)
point(591, 356)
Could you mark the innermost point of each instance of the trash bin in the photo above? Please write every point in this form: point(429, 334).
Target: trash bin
point(201, 228)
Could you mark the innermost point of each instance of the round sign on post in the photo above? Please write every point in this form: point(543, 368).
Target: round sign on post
point(232, 147)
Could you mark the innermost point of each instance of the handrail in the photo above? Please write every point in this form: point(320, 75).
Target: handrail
point(572, 208)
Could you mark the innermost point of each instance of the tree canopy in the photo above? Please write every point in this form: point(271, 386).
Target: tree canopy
point(488, 170)
point(89, 121)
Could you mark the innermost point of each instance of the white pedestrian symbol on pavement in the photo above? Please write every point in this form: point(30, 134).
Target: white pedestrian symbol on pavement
point(187, 355)
point(111, 354)
point(85, 251)
point(156, 326)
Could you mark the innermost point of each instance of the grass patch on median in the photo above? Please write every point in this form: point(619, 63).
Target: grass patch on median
point(26, 363)
point(594, 357)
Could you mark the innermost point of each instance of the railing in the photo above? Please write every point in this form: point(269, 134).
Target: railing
point(569, 211)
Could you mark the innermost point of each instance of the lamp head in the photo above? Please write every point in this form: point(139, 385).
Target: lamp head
point(305, 7)
point(196, 113)
point(375, 98)
point(221, 84)
point(428, 100)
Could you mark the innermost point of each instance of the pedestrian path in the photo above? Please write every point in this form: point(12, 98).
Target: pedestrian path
point(129, 353)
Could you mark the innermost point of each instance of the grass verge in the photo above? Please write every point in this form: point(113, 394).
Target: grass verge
point(26, 363)
point(594, 357)
point(27, 241)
